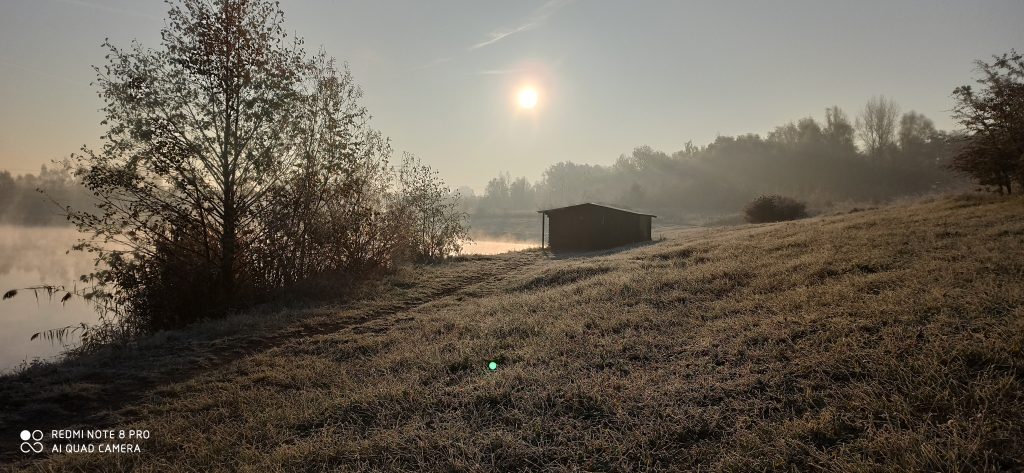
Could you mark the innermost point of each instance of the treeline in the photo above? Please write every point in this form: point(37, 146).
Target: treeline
point(37, 199)
point(880, 155)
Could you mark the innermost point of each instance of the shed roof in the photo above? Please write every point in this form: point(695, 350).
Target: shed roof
point(591, 204)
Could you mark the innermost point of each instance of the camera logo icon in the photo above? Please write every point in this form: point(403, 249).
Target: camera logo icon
point(30, 441)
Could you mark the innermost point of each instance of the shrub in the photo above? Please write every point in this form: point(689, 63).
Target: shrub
point(774, 208)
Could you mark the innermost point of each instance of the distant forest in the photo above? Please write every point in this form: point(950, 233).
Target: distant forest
point(880, 155)
point(22, 203)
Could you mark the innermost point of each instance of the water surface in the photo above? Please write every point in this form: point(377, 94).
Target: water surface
point(30, 256)
point(494, 247)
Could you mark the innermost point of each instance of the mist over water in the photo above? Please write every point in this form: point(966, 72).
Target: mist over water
point(30, 256)
point(494, 247)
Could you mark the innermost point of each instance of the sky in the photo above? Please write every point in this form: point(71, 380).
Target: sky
point(441, 77)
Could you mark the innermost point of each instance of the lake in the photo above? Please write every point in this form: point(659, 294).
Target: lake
point(501, 233)
point(30, 256)
point(494, 247)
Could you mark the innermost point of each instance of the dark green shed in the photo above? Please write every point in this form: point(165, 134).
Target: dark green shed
point(592, 226)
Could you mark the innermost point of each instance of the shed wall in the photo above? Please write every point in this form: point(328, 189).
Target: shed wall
point(593, 227)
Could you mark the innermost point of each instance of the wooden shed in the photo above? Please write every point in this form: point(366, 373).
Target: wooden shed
point(592, 226)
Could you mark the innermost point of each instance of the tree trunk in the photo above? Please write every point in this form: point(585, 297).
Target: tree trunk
point(229, 231)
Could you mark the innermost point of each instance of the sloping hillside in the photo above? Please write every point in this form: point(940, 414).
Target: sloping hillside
point(880, 339)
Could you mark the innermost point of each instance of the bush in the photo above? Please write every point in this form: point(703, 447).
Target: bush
point(774, 208)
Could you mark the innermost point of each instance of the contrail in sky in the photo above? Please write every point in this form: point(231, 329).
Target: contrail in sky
point(539, 16)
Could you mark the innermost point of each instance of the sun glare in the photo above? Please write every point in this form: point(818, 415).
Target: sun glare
point(527, 97)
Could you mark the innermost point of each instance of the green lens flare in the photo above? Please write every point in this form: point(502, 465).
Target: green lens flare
point(492, 365)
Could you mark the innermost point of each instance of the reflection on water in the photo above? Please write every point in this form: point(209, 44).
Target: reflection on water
point(494, 247)
point(30, 256)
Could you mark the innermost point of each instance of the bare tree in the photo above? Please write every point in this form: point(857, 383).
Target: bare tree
point(876, 125)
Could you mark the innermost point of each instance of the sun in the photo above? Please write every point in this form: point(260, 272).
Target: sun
point(527, 97)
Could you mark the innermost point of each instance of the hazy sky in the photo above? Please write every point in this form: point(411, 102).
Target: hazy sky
point(440, 77)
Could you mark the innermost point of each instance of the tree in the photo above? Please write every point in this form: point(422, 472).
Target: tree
point(803, 134)
point(195, 143)
point(497, 192)
point(432, 210)
point(838, 131)
point(915, 130)
point(876, 125)
point(235, 163)
point(520, 194)
point(918, 139)
point(993, 120)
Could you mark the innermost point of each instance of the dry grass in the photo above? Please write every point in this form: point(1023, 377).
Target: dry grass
point(876, 340)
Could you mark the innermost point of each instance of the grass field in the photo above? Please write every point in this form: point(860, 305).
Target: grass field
point(875, 340)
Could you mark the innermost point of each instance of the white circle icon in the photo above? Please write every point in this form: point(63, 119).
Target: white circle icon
point(31, 447)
